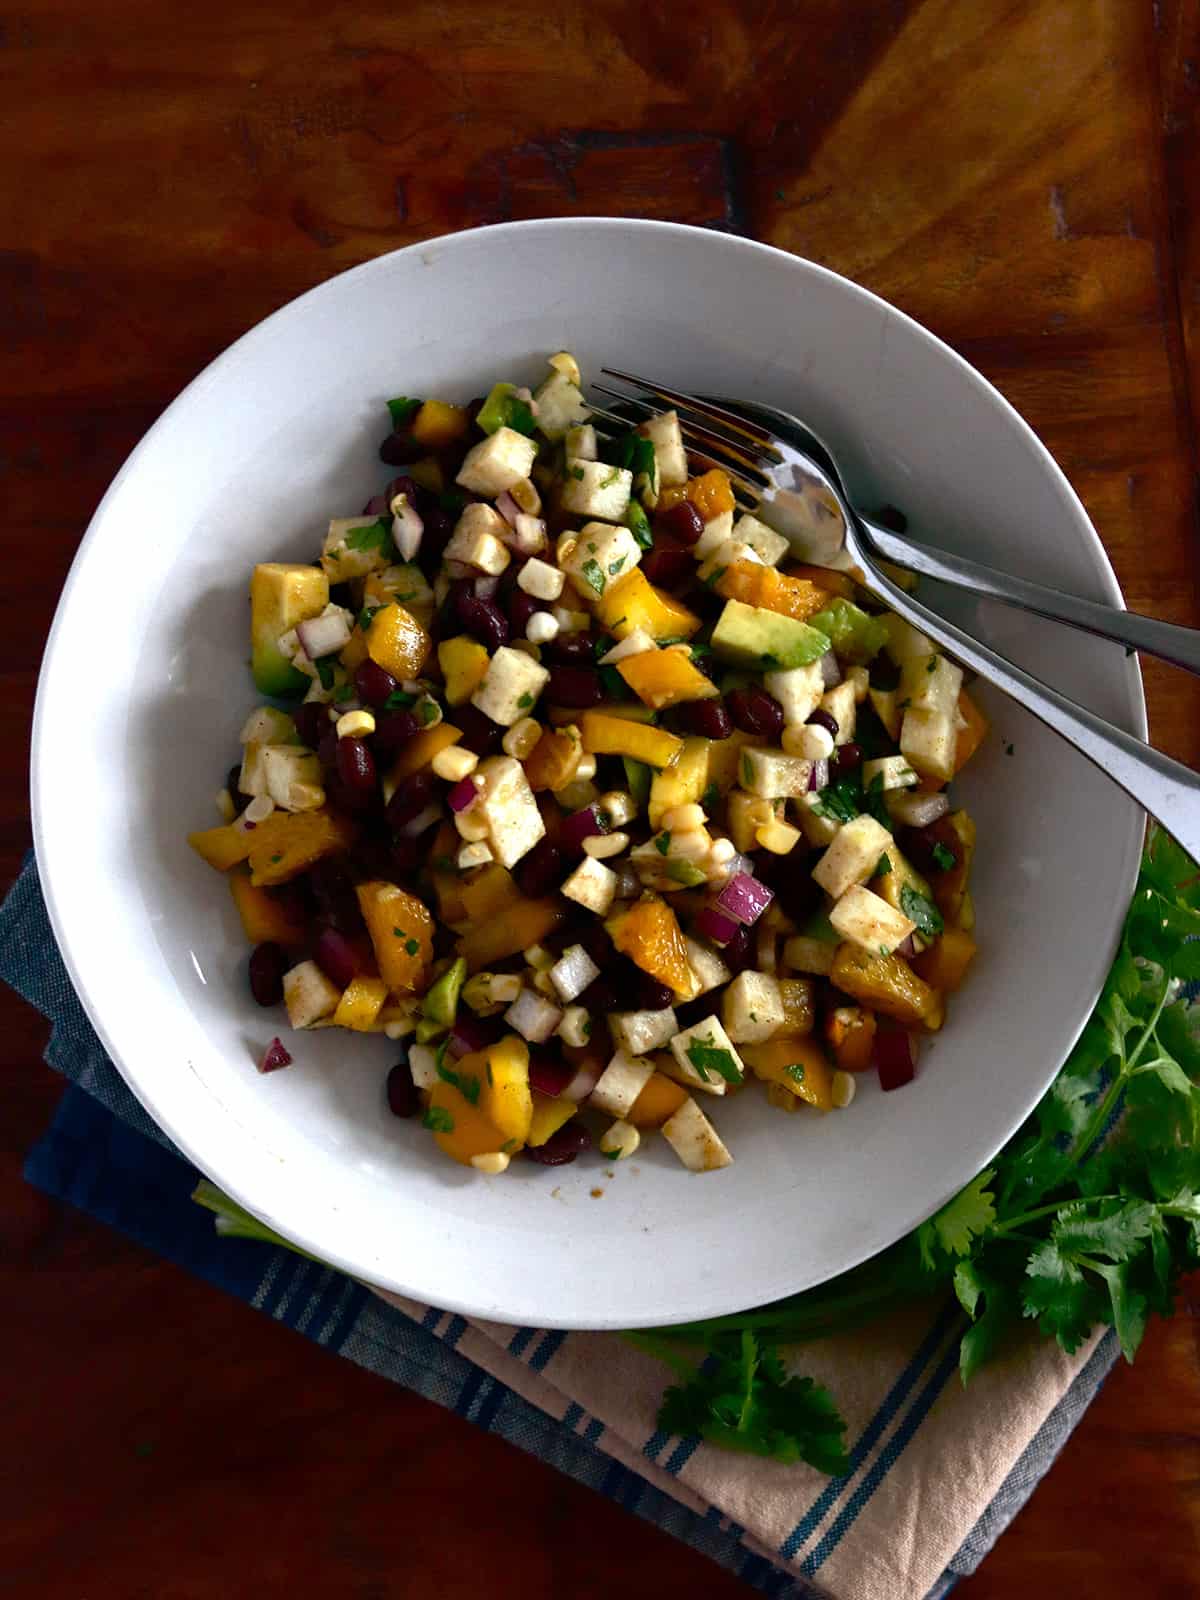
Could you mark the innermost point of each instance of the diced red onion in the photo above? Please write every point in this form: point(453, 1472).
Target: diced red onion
point(463, 795)
point(582, 1084)
point(715, 925)
point(831, 673)
point(744, 898)
point(407, 528)
point(580, 825)
point(322, 636)
point(907, 948)
point(914, 809)
point(423, 819)
point(508, 508)
point(818, 778)
point(485, 586)
point(548, 1073)
point(469, 1036)
point(894, 1058)
point(274, 1057)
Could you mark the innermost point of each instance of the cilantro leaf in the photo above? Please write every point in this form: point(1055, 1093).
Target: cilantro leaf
point(921, 910)
point(438, 1120)
point(962, 1220)
point(592, 571)
point(943, 857)
point(706, 1055)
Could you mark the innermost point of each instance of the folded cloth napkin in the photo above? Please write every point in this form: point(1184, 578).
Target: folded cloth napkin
point(936, 1473)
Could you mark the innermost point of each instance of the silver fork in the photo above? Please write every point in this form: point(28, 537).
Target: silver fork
point(777, 475)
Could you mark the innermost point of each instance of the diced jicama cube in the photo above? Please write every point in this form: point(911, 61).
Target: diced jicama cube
point(929, 740)
point(599, 555)
point(308, 995)
point(707, 967)
point(869, 921)
point(541, 580)
point(266, 725)
point(594, 489)
point(931, 683)
point(694, 1139)
point(773, 774)
point(890, 772)
point(533, 1016)
point(887, 708)
point(292, 776)
point(853, 855)
point(770, 546)
point(798, 691)
point(751, 1008)
point(572, 972)
point(843, 708)
point(619, 1085)
point(639, 1032)
point(718, 531)
point(592, 885)
point(507, 805)
point(818, 828)
point(560, 405)
point(478, 541)
point(705, 1057)
point(665, 435)
point(903, 640)
point(497, 463)
point(802, 954)
point(511, 685)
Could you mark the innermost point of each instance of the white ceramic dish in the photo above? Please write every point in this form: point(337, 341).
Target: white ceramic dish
point(131, 741)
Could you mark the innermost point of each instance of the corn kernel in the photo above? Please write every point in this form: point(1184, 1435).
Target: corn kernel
point(427, 711)
point(541, 628)
point(780, 838)
point(492, 1164)
point(683, 819)
point(618, 807)
point(576, 1027)
point(397, 1030)
point(586, 770)
point(620, 1141)
point(571, 621)
point(604, 845)
point(521, 738)
point(526, 496)
point(355, 725)
point(454, 763)
point(474, 855)
point(538, 957)
point(722, 852)
point(843, 1089)
point(544, 984)
point(470, 826)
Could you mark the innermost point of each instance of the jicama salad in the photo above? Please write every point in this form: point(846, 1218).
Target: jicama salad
point(571, 779)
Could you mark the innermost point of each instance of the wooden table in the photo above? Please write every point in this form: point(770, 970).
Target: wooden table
point(1021, 175)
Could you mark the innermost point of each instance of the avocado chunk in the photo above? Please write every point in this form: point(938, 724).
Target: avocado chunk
point(751, 636)
point(281, 595)
point(504, 409)
point(853, 633)
point(441, 998)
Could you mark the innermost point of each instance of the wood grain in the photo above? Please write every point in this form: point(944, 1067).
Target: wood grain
point(1021, 175)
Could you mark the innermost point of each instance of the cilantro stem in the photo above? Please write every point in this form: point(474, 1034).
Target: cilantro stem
point(654, 1344)
point(1103, 1111)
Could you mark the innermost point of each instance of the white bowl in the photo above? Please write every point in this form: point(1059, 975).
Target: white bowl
point(145, 684)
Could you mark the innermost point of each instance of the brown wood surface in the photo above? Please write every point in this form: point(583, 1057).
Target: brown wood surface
point(1021, 175)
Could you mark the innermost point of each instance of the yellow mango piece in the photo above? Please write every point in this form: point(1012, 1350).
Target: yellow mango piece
point(267, 918)
point(633, 602)
point(711, 493)
point(362, 1001)
point(525, 923)
point(650, 935)
point(658, 1101)
point(665, 678)
point(973, 735)
point(506, 1098)
point(684, 781)
point(397, 641)
point(222, 847)
point(461, 1130)
point(287, 844)
point(851, 1032)
point(605, 735)
point(757, 585)
point(489, 893)
point(464, 664)
point(957, 833)
point(552, 762)
point(401, 930)
point(797, 1065)
point(725, 757)
point(885, 983)
point(354, 651)
point(799, 1004)
point(549, 1115)
point(420, 751)
point(944, 965)
point(437, 424)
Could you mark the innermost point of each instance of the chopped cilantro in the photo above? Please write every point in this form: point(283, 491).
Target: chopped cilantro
point(399, 933)
point(1008, 749)
point(398, 700)
point(711, 798)
point(944, 858)
point(344, 691)
point(428, 712)
point(411, 947)
point(931, 664)
point(525, 701)
point(438, 1119)
point(324, 670)
point(371, 536)
point(611, 477)
point(796, 1071)
point(276, 859)
point(715, 577)
point(509, 1145)
point(839, 801)
point(367, 614)
point(402, 408)
point(921, 910)
point(883, 867)
point(662, 843)
point(747, 769)
point(466, 1083)
point(593, 574)
point(706, 1054)
point(686, 873)
point(615, 566)
point(577, 474)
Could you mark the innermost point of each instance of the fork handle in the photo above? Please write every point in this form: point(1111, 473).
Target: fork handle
point(1167, 640)
point(1166, 790)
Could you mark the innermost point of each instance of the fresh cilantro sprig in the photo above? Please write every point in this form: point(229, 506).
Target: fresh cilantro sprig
point(1090, 1216)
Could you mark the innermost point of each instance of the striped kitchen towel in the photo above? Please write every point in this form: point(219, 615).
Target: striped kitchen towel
point(935, 1474)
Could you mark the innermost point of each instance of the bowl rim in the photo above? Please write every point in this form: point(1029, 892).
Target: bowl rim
point(1104, 949)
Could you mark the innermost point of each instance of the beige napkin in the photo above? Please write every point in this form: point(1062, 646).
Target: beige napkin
point(928, 1458)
